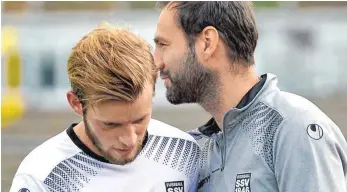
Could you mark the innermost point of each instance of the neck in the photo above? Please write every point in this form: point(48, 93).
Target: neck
point(82, 135)
point(229, 92)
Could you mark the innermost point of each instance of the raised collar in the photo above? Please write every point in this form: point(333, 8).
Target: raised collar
point(211, 126)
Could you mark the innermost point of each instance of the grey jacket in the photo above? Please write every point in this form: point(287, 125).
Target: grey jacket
point(272, 141)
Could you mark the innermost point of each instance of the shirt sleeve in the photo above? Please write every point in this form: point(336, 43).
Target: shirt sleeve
point(194, 168)
point(310, 155)
point(27, 183)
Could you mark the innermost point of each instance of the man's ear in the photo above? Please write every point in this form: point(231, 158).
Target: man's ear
point(74, 103)
point(208, 40)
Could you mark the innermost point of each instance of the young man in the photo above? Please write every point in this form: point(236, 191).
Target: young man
point(117, 146)
point(260, 138)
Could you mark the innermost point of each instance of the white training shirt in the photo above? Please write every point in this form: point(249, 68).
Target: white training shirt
point(167, 163)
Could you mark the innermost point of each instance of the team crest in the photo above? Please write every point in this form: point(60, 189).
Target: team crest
point(243, 182)
point(174, 186)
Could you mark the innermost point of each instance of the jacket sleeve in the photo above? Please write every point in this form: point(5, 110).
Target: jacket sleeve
point(310, 155)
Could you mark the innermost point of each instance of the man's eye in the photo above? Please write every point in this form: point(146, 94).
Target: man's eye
point(161, 44)
point(139, 121)
point(111, 125)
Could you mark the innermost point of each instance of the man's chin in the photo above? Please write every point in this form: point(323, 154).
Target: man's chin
point(175, 100)
point(123, 159)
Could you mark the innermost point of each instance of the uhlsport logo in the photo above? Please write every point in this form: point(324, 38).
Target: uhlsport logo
point(23, 190)
point(174, 186)
point(243, 182)
point(315, 131)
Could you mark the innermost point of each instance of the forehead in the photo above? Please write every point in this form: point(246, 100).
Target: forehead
point(122, 110)
point(167, 26)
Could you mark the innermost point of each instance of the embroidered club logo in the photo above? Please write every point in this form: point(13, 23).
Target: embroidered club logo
point(243, 182)
point(174, 186)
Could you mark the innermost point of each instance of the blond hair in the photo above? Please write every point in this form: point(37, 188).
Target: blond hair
point(110, 63)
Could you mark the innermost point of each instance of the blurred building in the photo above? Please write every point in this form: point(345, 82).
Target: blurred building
point(53, 6)
point(304, 43)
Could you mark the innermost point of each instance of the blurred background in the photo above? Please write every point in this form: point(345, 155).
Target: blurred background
point(303, 43)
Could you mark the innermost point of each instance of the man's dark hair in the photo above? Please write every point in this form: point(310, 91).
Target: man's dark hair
point(234, 21)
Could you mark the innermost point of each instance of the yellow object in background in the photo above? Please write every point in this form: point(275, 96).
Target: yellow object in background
point(12, 107)
point(9, 39)
point(13, 70)
point(12, 103)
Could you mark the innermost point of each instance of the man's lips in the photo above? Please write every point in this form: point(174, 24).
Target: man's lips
point(164, 77)
point(125, 151)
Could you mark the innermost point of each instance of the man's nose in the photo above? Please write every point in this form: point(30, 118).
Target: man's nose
point(158, 60)
point(128, 138)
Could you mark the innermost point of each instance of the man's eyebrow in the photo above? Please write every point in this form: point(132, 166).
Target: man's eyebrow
point(158, 38)
point(113, 124)
point(141, 118)
point(121, 123)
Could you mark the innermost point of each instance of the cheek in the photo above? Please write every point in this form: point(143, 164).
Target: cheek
point(170, 61)
point(105, 137)
point(174, 58)
point(141, 128)
point(95, 129)
point(110, 138)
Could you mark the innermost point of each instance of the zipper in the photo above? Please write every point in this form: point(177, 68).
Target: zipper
point(223, 143)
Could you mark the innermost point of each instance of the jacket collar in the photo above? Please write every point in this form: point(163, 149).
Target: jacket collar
point(211, 127)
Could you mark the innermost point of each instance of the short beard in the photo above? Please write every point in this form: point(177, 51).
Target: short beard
point(193, 84)
point(96, 142)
